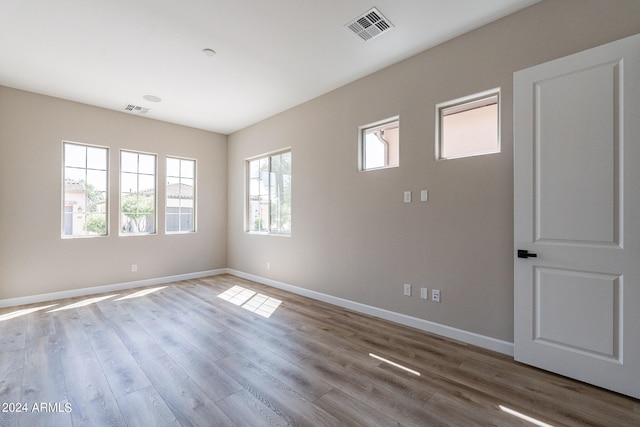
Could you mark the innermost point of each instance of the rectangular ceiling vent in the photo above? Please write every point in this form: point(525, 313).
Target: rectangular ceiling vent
point(135, 109)
point(370, 25)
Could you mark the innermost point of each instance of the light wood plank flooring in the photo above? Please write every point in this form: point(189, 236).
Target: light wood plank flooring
point(183, 356)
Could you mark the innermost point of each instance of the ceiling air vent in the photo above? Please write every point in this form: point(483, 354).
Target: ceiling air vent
point(135, 109)
point(370, 25)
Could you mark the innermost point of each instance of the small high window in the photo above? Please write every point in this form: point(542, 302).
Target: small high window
point(468, 126)
point(380, 145)
point(137, 193)
point(85, 190)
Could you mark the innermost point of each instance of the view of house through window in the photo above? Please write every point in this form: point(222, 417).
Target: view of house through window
point(380, 145)
point(137, 193)
point(269, 205)
point(180, 203)
point(85, 190)
point(468, 126)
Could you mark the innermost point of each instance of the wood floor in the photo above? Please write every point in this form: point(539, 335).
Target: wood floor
point(183, 356)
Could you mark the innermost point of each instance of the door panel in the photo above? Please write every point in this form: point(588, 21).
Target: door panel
point(570, 207)
point(578, 311)
point(577, 207)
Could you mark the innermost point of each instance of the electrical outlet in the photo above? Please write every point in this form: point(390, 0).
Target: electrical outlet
point(435, 295)
point(407, 196)
point(424, 293)
point(134, 267)
point(424, 196)
point(407, 290)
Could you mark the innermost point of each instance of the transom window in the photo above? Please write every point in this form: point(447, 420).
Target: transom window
point(269, 193)
point(468, 126)
point(181, 195)
point(137, 193)
point(85, 183)
point(380, 145)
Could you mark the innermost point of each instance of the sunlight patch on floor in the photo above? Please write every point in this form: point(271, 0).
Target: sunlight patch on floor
point(397, 365)
point(523, 417)
point(237, 295)
point(23, 312)
point(260, 304)
point(82, 303)
point(141, 293)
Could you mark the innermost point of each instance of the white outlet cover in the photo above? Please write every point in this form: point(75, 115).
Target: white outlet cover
point(424, 195)
point(407, 290)
point(407, 196)
point(424, 293)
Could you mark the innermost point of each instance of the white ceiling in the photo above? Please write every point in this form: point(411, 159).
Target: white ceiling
point(271, 54)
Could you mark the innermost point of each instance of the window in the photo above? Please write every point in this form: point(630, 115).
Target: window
point(380, 145)
point(269, 205)
point(85, 190)
point(180, 203)
point(468, 126)
point(137, 193)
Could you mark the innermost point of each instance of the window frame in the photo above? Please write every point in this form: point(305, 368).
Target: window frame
point(63, 188)
point(472, 102)
point(195, 195)
point(248, 177)
point(362, 130)
point(155, 194)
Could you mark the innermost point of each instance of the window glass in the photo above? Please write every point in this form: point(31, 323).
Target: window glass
point(85, 192)
point(180, 203)
point(128, 162)
point(380, 145)
point(269, 192)
point(280, 193)
point(469, 127)
point(137, 193)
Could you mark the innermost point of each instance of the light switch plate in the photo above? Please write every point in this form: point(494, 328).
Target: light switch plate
point(424, 195)
point(407, 196)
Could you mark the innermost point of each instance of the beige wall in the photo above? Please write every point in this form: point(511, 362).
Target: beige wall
point(34, 259)
point(353, 237)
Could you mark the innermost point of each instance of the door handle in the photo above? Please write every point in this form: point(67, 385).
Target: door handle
point(523, 253)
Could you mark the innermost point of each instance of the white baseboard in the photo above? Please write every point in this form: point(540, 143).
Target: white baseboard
point(472, 338)
point(73, 293)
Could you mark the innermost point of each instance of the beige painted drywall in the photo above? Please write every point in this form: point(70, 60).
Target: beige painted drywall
point(34, 259)
point(353, 237)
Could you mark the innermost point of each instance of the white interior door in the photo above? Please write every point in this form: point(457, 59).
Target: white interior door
point(577, 209)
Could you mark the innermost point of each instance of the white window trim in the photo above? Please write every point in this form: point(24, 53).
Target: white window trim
point(195, 195)
point(247, 177)
point(120, 233)
point(361, 141)
point(107, 195)
point(460, 102)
